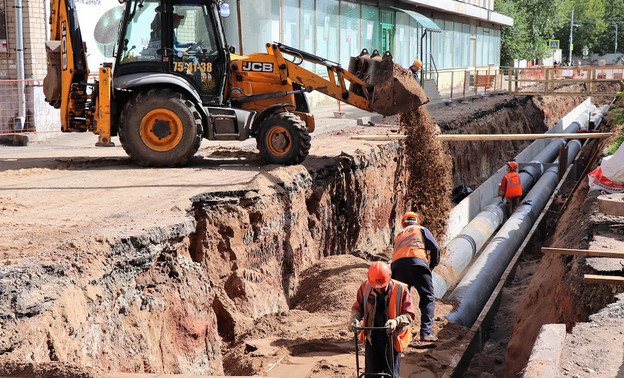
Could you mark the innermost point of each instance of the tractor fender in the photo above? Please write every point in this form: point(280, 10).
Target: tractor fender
point(266, 113)
point(138, 80)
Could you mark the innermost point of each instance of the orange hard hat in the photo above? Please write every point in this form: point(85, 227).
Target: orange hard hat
point(417, 63)
point(379, 274)
point(410, 217)
point(513, 165)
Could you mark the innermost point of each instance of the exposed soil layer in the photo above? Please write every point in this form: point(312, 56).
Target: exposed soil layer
point(224, 266)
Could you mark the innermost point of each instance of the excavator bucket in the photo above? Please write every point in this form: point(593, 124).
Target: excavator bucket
point(391, 88)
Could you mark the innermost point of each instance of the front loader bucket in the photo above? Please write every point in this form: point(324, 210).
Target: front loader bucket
point(391, 88)
point(52, 80)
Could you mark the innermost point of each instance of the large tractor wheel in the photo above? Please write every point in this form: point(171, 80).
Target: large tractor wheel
point(160, 128)
point(284, 139)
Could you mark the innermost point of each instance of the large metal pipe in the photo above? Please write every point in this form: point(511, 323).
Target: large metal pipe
point(477, 285)
point(461, 249)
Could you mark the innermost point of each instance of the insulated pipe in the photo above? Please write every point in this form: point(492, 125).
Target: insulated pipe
point(461, 249)
point(475, 288)
point(19, 49)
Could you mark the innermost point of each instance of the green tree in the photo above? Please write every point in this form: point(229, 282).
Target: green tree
point(535, 22)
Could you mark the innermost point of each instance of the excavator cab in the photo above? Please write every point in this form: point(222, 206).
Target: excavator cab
point(179, 39)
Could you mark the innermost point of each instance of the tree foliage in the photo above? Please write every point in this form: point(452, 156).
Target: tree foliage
point(537, 21)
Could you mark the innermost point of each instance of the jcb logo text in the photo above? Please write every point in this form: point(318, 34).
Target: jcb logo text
point(257, 67)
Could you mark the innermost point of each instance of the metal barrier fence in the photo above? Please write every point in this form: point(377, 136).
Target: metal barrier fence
point(462, 84)
point(39, 118)
point(591, 80)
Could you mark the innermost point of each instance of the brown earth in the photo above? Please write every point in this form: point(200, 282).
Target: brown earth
point(226, 266)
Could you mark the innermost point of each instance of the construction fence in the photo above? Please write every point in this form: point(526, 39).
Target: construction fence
point(39, 120)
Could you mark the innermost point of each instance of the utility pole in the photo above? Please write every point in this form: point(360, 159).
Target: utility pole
point(615, 48)
point(571, 31)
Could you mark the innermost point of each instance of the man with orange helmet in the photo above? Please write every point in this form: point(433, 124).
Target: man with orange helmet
point(414, 256)
point(382, 301)
point(510, 188)
point(414, 68)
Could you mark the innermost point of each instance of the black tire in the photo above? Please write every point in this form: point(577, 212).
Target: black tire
point(283, 139)
point(160, 128)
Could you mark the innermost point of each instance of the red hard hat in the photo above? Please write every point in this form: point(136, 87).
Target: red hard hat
point(513, 165)
point(379, 274)
point(409, 215)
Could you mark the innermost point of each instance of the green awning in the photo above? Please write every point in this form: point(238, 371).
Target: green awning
point(424, 21)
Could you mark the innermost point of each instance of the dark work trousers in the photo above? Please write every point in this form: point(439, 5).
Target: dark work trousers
point(512, 204)
point(378, 357)
point(420, 277)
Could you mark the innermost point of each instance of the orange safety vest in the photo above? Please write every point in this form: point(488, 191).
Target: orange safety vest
point(410, 243)
point(514, 187)
point(403, 335)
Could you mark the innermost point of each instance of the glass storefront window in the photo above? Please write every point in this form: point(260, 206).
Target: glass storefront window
point(291, 23)
point(307, 33)
point(260, 24)
point(327, 31)
point(349, 32)
point(370, 29)
point(402, 41)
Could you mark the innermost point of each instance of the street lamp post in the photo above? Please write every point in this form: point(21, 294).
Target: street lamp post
point(615, 45)
point(572, 26)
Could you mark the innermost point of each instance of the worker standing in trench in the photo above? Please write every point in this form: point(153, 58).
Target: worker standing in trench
point(415, 254)
point(510, 188)
point(382, 301)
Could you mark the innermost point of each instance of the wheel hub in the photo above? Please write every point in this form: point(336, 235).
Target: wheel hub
point(279, 141)
point(161, 129)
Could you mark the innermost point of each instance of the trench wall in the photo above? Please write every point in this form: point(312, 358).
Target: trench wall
point(167, 301)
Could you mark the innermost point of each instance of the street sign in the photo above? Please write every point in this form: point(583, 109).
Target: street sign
point(553, 44)
point(585, 51)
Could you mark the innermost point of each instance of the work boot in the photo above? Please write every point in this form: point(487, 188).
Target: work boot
point(428, 337)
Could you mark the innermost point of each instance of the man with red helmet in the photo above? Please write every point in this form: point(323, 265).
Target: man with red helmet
point(414, 256)
point(510, 188)
point(381, 302)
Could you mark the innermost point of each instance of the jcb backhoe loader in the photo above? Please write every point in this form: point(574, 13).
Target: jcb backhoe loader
point(175, 81)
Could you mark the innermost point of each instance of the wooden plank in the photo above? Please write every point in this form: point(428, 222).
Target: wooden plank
point(612, 204)
point(584, 252)
point(598, 279)
point(469, 137)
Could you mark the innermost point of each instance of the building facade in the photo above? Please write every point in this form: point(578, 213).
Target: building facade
point(445, 35)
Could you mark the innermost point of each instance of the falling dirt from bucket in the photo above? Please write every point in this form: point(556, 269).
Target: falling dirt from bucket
point(429, 171)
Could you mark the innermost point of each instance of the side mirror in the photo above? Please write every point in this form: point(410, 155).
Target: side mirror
point(232, 49)
point(224, 10)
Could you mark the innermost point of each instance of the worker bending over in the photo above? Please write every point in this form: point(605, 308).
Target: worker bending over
point(510, 188)
point(414, 68)
point(381, 302)
point(415, 254)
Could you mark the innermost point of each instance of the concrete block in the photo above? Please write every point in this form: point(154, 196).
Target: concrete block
point(546, 355)
point(364, 121)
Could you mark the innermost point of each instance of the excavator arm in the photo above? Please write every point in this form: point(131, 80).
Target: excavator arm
point(83, 106)
point(376, 83)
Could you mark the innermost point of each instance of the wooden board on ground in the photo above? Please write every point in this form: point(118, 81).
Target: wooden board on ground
point(584, 252)
point(611, 204)
point(598, 279)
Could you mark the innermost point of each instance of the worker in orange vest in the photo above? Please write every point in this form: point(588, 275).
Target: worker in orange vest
point(510, 188)
point(381, 302)
point(415, 254)
point(414, 68)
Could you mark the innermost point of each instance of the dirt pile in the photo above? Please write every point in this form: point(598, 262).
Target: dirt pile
point(428, 168)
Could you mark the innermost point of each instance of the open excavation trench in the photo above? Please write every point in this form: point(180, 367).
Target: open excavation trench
point(259, 280)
